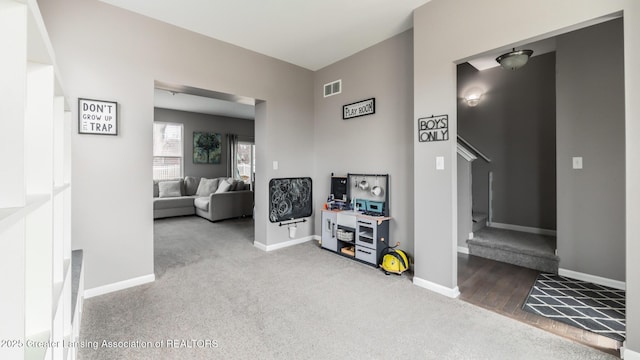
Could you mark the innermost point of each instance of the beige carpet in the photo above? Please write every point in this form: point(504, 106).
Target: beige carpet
point(222, 298)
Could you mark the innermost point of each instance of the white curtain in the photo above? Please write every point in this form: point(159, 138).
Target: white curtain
point(232, 156)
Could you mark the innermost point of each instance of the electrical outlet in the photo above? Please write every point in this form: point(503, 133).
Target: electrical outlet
point(577, 162)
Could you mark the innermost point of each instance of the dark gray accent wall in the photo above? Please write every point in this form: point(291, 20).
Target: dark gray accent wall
point(591, 121)
point(203, 122)
point(465, 221)
point(514, 125)
point(375, 144)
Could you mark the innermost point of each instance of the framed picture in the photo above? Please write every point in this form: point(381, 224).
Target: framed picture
point(97, 117)
point(360, 108)
point(207, 147)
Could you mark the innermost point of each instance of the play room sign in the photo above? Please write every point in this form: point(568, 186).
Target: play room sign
point(97, 117)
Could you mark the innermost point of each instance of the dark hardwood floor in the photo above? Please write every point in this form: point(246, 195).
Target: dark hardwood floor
point(503, 288)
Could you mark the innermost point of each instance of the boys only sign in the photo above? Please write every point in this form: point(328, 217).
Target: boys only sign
point(433, 128)
point(97, 117)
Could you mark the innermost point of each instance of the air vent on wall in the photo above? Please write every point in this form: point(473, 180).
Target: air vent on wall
point(333, 88)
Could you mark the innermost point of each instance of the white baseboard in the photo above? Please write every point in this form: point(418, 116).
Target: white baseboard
point(281, 245)
point(627, 354)
point(120, 285)
point(463, 250)
point(526, 229)
point(620, 285)
point(442, 290)
point(317, 237)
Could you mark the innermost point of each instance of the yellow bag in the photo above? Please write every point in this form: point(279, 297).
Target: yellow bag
point(394, 261)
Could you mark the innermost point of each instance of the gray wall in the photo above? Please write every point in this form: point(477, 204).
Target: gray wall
point(118, 58)
point(591, 201)
point(441, 39)
point(203, 122)
point(373, 144)
point(514, 125)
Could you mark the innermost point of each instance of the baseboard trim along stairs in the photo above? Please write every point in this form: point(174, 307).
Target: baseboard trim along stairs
point(534, 251)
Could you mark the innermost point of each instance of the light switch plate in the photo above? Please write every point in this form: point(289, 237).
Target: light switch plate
point(275, 165)
point(577, 162)
point(439, 162)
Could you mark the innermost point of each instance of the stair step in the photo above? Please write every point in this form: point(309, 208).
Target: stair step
point(479, 217)
point(479, 221)
point(528, 250)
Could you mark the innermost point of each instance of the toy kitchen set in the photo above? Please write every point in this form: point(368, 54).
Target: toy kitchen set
point(355, 220)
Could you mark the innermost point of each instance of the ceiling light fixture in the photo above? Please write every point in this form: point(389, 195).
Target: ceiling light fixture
point(514, 60)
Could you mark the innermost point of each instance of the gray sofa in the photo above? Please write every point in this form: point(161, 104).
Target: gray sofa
point(214, 199)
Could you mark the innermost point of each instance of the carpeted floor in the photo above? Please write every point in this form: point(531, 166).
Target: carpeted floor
point(218, 297)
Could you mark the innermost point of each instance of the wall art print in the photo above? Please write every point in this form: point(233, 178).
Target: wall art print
point(207, 147)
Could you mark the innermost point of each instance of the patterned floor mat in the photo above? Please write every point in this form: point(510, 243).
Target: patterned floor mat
point(588, 306)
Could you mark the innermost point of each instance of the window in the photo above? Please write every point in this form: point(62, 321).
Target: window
point(167, 151)
point(245, 162)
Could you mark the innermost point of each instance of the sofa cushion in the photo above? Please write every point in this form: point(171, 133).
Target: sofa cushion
point(224, 186)
point(191, 185)
point(231, 182)
point(207, 186)
point(170, 188)
point(173, 202)
point(202, 203)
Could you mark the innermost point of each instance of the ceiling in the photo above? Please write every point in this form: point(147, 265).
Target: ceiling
point(310, 34)
point(488, 60)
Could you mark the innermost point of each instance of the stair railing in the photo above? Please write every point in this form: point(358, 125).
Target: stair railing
point(480, 153)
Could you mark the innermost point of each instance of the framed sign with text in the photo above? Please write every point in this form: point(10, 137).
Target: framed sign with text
point(97, 117)
point(360, 108)
point(433, 128)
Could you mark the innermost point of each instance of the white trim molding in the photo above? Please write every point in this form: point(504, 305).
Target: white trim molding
point(442, 290)
point(466, 154)
point(284, 244)
point(627, 354)
point(526, 229)
point(616, 284)
point(120, 285)
point(463, 250)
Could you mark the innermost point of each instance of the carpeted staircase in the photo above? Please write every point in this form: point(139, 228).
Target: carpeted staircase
point(514, 247)
point(479, 221)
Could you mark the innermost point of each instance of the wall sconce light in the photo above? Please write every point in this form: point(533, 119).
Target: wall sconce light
point(472, 96)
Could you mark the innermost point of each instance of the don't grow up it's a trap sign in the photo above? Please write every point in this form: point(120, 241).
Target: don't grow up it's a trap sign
point(97, 117)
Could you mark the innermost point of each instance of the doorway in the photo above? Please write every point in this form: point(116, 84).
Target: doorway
point(551, 197)
point(202, 135)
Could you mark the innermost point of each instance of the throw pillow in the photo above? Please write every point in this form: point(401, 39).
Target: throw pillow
point(156, 189)
point(190, 185)
point(169, 188)
point(207, 186)
point(234, 184)
point(223, 187)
